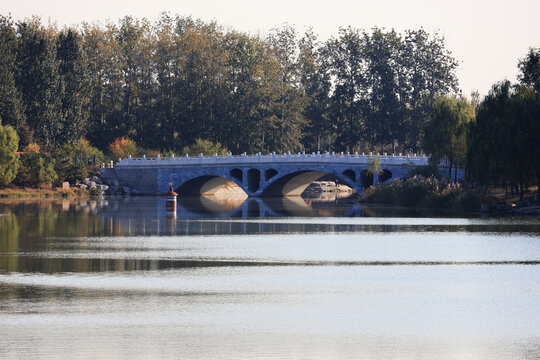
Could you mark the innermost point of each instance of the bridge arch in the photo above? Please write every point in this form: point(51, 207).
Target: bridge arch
point(270, 173)
point(366, 179)
point(350, 174)
point(205, 185)
point(385, 175)
point(236, 174)
point(294, 183)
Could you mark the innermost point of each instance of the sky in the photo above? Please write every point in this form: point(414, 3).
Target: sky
point(487, 37)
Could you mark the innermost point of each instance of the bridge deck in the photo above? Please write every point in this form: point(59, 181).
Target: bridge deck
point(260, 175)
point(353, 159)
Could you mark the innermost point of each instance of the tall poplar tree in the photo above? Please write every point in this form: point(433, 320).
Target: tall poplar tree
point(315, 83)
point(77, 93)
point(39, 81)
point(11, 106)
point(343, 57)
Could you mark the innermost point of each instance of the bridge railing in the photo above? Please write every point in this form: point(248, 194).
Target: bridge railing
point(409, 159)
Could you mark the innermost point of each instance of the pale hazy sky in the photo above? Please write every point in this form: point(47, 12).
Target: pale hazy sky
point(487, 37)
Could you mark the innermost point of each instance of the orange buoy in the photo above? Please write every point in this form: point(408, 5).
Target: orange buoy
point(170, 203)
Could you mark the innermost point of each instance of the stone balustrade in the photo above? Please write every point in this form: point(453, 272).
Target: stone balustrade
point(326, 158)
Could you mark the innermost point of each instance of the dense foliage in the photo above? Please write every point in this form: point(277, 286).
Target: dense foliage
point(205, 147)
point(422, 191)
point(9, 162)
point(122, 148)
point(36, 168)
point(504, 141)
point(497, 141)
point(168, 83)
point(179, 85)
point(446, 131)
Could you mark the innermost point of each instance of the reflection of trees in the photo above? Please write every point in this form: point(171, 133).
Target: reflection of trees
point(52, 236)
point(33, 226)
point(9, 241)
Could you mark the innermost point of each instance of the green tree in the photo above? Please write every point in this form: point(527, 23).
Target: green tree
point(102, 56)
point(39, 81)
point(384, 117)
point(427, 71)
point(35, 168)
point(446, 132)
point(243, 128)
point(284, 121)
point(74, 161)
point(205, 147)
point(530, 76)
point(503, 141)
point(488, 141)
point(530, 69)
point(11, 106)
point(74, 76)
point(315, 83)
point(9, 160)
point(343, 57)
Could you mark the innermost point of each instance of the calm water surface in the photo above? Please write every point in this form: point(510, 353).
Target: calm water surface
point(281, 278)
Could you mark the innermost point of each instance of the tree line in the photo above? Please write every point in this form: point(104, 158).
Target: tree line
point(167, 83)
point(179, 85)
point(496, 139)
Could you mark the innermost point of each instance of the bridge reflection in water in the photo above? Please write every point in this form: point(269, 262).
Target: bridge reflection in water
point(209, 215)
point(137, 233)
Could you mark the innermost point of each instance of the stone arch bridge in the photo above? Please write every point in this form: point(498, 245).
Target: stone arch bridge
point(258, 175)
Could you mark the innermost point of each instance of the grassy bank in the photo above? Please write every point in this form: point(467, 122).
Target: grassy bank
point(14, 192)
point(425, 192)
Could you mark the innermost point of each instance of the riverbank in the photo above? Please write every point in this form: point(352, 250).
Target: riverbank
point(419, 191)
point(23, 193)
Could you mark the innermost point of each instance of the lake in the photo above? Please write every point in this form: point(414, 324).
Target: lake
point(264, 278)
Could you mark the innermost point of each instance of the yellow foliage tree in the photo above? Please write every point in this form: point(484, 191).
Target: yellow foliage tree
point(122, 147)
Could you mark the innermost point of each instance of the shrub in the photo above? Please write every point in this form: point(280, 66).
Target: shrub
point(96, 192)
point(416, 191)
point(205, 147)
point(74, 162)
point(9, 160)
point(35, 168)
point(426, 171)
point(70, 170)
point(148, 152)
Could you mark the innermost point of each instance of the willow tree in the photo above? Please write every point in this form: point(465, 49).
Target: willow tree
point(9, 160)
point(446, 132)
point(504, 140)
